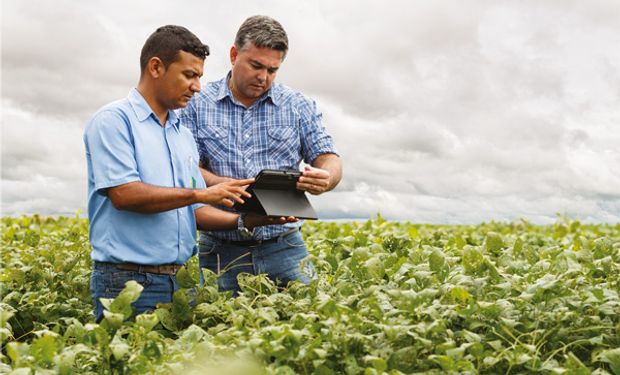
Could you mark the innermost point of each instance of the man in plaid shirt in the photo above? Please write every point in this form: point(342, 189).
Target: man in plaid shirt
point(245, 123)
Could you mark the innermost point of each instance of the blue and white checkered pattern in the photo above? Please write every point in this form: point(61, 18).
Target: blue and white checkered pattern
point(276, 132)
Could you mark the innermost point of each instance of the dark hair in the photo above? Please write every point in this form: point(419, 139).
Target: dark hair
point(167, 41)
point(262, 31)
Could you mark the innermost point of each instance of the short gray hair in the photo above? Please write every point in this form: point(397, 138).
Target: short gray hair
point(262, 31)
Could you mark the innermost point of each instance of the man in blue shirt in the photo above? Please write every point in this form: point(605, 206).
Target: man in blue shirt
point(244, 123)
point(146, 195)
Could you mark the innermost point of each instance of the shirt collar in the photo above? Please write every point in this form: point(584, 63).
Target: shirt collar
point(173, 118)
point(224, 91)
point(143, 110)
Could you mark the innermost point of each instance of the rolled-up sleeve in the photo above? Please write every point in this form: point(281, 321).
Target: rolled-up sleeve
point(314, 138)
point(110, 147)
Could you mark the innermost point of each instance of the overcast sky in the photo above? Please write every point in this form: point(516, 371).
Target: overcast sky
point(443, 111)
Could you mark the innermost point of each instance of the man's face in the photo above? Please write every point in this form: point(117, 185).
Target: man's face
point(253, 71)
point(180, 81)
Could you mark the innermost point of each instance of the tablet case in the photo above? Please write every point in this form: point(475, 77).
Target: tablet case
point(274, 193)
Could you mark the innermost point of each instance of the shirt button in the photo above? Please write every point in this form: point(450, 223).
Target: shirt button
point(247, 160)
point(247, 136)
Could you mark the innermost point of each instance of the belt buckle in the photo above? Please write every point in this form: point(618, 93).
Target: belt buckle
point(169, 269)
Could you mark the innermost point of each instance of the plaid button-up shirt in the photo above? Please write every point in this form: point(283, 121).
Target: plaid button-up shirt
point(278, 131)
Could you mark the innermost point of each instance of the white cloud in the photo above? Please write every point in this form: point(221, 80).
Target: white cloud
point(442, 112)
point(43, 165)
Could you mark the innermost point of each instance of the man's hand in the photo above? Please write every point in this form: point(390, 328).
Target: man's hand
point(225, 193)
point(252, 220)
point(314, 180)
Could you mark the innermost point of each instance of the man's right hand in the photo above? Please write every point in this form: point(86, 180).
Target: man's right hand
point(252, 220)
point(225, 193)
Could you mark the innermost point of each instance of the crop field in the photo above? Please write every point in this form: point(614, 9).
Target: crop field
point(389, 298)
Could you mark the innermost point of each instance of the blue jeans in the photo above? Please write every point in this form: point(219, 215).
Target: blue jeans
point(107, 281)
point(279, 259)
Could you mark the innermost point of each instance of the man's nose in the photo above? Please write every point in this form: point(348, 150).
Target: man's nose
point(195, 86)
point(262, 75)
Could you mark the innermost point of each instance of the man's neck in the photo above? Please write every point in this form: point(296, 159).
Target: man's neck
point(160, 111)
point(247, 102)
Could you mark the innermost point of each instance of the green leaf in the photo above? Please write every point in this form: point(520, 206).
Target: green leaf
point(112, 320)
point(459, 242)
point(446, 362)
point(436, 260)
point(185, 279)
point(611, 357)
point(210, 278)
point(602, 247)
point(494, 243)
point(377, 363)
point(471, 336)
point(167, 319)
point(106, 303)
point(193, 335)
point(459, 294)
point(375, 266)
point(119, 347)
point(147, 320)
point(32, 238)
point(517, 247)
point(66, 359)
point(16, 351)
point(122, 303)
point(473, 260)
point(6, 313)
point(181, 308)
point(44, 348)
point(576, 366)
point(21, 371)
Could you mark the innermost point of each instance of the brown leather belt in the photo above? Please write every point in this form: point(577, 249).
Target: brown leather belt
point(164, 269)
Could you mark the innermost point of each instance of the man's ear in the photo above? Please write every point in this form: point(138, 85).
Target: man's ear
point(233, 55)
point(155, 67)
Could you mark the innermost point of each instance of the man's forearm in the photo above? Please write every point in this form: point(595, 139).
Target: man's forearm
point(211, 178)
point(210, 218)
point(144, 198)
point(332, 164)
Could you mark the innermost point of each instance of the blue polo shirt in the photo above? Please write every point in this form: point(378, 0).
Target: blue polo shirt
point(125, 142)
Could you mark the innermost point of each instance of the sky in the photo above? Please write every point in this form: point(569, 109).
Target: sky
point(442, 111)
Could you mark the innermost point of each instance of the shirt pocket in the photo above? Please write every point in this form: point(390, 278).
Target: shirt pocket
point(192, 172)
point(213, 145)
point(214, 132)
point(284, 145)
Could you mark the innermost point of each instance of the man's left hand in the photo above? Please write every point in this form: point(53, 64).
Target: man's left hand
point(314, 180)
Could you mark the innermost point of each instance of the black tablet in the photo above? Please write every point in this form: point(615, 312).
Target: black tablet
point(276, 179)
point(274, 193)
